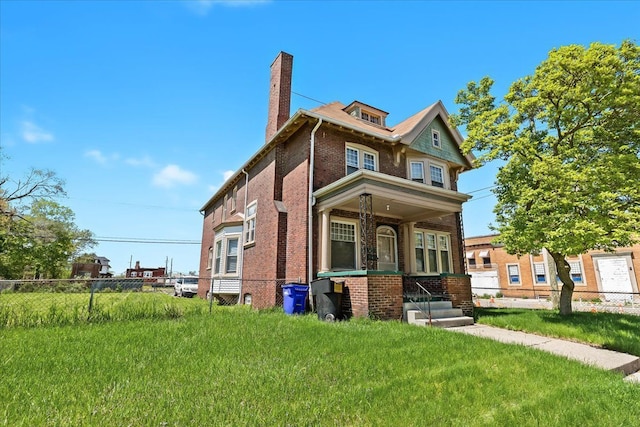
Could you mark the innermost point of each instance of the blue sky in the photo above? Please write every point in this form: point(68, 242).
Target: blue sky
point(144, 107)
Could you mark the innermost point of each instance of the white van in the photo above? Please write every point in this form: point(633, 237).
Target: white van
point(186, 286)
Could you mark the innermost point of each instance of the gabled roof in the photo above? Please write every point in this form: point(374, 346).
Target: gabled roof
point(334, 113)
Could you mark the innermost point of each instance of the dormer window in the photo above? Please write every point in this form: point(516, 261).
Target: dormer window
point(370, 117)
point(366, 113)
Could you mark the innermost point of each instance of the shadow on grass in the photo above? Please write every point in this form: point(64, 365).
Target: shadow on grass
point(619, 332)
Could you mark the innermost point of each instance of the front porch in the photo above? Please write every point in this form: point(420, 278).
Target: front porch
point(382, 295)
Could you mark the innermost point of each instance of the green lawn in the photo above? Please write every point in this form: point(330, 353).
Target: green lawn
point(238, 367)
point(619, 332)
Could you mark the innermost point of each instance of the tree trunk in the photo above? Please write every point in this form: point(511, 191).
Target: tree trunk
point(566, 294)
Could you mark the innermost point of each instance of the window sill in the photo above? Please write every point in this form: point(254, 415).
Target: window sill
point(249, 244)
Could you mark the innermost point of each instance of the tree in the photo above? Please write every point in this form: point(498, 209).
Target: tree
point(570, 136)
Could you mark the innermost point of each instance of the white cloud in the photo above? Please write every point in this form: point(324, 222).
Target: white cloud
point(97, 156)
point(33, 134)
point(227, 174)
point(202, 7)
point(145, 161)
point(173, 175)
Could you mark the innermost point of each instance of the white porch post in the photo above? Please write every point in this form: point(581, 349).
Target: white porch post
point(325, 235)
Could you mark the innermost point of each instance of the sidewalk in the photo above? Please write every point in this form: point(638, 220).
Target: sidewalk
point(606, 359)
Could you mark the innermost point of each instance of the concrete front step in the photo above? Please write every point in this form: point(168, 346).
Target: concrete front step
point(449, 322)
point(435, 305)
point(435, 314)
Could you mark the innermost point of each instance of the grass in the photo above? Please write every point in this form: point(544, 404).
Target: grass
point(47, 308)
point(245, 368)
point(613, 331)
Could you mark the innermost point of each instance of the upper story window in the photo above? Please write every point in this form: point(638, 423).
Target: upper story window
point(539, 273)
point(417, 172)
point(218, 252)
point(147, 274)
point(250, 223)
point(435, 138)
point(370, 117)
point(513, 271)
point(210, 258)
point(360, 157)
point(226, 254)
point(437, 172)
point(576, 272)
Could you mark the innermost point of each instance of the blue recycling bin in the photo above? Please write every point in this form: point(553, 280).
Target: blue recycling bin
point(295, 298)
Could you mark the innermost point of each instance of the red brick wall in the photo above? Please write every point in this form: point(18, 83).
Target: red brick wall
point(374, 296)
point(458, 287)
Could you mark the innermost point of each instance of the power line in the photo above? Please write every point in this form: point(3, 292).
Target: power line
point(308, 97)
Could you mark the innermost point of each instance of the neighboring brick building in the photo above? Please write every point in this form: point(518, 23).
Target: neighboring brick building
point(149, 274)
point(336, 192)
point(611, 276)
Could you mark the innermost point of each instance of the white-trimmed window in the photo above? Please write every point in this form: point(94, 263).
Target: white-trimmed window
point(231, 259)
point(435, 138)
point(436, 173)
point(513, 272)
point(218, 253)
point(432, 252)
point(343, 245)
point(250, 223)
point(147, 274)
point(210, 258)
point(576, 272)
point(539, 273)
point(417, 171)
point(370, 117)
point(134, 274)
point(387, 248)
point(360, 157)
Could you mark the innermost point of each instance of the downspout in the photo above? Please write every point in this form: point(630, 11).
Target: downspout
point(310, 207)
point(244, 224)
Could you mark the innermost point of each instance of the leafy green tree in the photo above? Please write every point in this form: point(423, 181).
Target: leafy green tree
point(570, 136)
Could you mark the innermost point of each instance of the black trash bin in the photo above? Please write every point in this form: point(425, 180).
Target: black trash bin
point(328, 299)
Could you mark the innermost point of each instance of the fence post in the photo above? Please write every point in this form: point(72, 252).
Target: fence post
point(91, 300)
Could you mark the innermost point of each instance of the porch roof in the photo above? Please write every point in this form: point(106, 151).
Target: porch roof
point(391, 196)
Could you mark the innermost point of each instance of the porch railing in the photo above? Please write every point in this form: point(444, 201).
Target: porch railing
point(418, 298)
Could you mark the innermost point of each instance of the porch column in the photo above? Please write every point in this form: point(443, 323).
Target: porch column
point(325, 237)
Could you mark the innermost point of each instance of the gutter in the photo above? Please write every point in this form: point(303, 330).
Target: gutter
point(312, 158)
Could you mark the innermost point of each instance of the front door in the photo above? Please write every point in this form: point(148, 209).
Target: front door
point(387, 249)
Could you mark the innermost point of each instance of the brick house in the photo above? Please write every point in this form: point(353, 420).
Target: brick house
point(148, 274)
point(337, 192)
point(609, 276)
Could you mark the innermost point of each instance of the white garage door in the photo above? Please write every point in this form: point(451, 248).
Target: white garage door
point(615, 277)
point(485, 282)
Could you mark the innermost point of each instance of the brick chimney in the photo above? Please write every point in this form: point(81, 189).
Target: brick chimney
point(137, 265)
point(279, 93)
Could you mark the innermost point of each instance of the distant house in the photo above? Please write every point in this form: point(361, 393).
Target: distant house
point(98, 268)
point(608, 276)
point(149, 274)
point(337, 192)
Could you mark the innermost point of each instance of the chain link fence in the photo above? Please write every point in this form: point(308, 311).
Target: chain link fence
point(29, 303)
point(583, 300)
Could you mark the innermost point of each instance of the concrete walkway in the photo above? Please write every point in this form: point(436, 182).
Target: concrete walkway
point(606, 359)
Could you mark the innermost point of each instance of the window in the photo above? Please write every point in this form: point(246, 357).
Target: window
point(210, 258)
point(147, 274)
point(471, 259)
point(435, 139)
point(352, 160)
point(343, 246)
point(250, 223)
point(218, 256)
point(417, 171)
point(134, 274)
point(437, 257)
point(513, 271)
point(358, 156)
point(539, 272)
point(576, 272)
point(373, 118)
point(231, 261)
point(443, 245)
point(437, 175)
point(420, 264)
